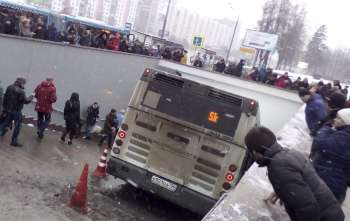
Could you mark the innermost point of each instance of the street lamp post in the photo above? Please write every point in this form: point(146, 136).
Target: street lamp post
point(165, 19)
point(233, 37)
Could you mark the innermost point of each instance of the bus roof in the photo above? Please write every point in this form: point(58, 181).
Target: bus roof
point(24, 7)
point(93, 23)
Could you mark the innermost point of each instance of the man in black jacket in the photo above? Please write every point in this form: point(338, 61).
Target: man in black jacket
point(305, 196)
point(71, 117)
point(109, 129)
point(93, 112)
point(14, 99)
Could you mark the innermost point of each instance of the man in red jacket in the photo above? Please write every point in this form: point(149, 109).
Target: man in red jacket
point(283, 81)
point(45, 93)
point(113, 42)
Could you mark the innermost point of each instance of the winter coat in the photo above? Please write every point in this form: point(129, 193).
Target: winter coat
point(100, 42)
point(239, 69)
point(231, 70)
point(283, 82)
point(109, 124)
point(220, 67)
point(305, 196)
point(315, 111)
point(45, 93)
point(331, 158)
point(9, 25)
point(166, 54)
point(52, 34)
point(92, 115)
point(255, 75)
point(184, 59)
point(303, 84)
point(198, 63)
point(177, 56)
point(15, 98)
point(71, 35)
point(85, 40)
point(113, 44)
point(40, 32)
point(72, 112)
point(123, 46)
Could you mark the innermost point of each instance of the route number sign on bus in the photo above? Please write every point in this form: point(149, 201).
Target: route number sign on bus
point(213, 117)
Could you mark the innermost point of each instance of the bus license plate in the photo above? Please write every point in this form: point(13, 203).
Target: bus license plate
point(163, 183)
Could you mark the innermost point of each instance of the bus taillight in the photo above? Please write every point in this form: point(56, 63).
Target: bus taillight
point(121, 134)
point(147, 72)
point(252, 105)
point(229, 177)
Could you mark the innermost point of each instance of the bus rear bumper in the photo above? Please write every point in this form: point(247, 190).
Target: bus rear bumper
point(141, 178)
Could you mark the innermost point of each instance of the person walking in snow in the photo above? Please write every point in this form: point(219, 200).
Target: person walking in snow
point(14, 100)
point(315, 110)
point(72, 117)
point(331, 154)
point(45, 93)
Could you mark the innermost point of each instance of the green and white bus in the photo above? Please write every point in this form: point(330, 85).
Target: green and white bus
point(183, 140)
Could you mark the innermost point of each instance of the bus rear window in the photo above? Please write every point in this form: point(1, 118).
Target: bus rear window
point(202, 109)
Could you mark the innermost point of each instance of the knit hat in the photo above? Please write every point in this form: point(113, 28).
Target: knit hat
point(303, 92)
point(344, 114)
point(336, 100)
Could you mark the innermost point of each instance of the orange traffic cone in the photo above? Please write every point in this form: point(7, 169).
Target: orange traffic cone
point(80, 194)
point(101, 166)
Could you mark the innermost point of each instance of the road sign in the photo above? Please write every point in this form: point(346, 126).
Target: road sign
point(198, 41)
point(166, 33)
point(260, 40)
point(128, 26)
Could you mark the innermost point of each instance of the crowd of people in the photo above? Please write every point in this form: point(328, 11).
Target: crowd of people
point(24, 24)
point(27, 24)
point(14, 99)
point(314, 187)
point(267, 76)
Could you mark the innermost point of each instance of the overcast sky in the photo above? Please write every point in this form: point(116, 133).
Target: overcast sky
point(334, 13)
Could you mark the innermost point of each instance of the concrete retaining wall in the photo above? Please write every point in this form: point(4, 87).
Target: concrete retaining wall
point(97, 75)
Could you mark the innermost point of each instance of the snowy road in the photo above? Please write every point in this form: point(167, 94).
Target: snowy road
point(36, 182)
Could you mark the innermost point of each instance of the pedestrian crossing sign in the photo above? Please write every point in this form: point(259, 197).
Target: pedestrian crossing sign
point(198, 41)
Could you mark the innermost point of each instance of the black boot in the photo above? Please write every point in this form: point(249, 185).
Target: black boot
point(16, 144)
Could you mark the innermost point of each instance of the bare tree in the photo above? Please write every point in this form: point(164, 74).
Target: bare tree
point(286, 20)
point(290, 47)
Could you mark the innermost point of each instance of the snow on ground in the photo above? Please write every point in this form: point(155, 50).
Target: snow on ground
point(246, 202)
